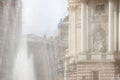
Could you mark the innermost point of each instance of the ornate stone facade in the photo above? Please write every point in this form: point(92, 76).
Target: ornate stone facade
point(94, 40)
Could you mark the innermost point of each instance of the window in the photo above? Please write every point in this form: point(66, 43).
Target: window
point(84, 78)
point(95, 75)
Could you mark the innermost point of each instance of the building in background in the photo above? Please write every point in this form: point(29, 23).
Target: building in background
point(94, 40)
point(10, 32)
point(63, 30)
point(46, 52)
point(63, 37)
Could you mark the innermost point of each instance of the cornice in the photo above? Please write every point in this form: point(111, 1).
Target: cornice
point(74, 0)
point(77, 2)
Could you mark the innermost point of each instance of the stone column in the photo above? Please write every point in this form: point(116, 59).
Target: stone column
point(111, 26)
point(119, 29)
point(72, 29)
point(65, 65)
point(83, 26)
point(116, 23)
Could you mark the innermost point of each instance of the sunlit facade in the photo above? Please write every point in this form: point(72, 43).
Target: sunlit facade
point(93, 40)
point(10, 31)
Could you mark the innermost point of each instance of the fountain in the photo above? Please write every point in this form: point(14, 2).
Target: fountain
point(23, 68)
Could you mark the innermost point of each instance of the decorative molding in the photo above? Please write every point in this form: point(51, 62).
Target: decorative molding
point(72, 8)
point(74, 1)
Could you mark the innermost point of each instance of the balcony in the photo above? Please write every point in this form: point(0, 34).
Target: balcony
point(96, 57)
point(93, 57)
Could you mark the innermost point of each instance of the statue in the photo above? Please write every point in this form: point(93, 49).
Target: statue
point(99, 38)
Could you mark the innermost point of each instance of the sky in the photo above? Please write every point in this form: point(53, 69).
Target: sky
point(41, 17)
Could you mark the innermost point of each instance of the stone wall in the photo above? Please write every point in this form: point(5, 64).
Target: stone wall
point(85, 70)
point(105, 70)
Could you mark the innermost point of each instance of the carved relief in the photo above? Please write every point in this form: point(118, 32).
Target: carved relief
point(100, 8)
point(99, 39)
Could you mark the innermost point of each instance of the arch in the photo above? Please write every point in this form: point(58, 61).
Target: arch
point(99, 39)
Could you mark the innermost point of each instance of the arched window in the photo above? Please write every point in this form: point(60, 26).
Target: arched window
point(99, 39)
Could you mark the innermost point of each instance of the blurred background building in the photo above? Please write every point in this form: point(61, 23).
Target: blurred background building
point(10, 33)
point(63, 30)
point(63, 37)
point(46, 53)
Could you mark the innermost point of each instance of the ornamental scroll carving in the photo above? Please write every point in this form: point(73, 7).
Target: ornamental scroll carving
point(99, 39)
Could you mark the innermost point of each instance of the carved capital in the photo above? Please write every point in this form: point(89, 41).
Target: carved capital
point(72, 8)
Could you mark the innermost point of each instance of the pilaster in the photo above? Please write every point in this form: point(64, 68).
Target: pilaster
point(84, 26)
point(111, 26)
point(72, 29)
